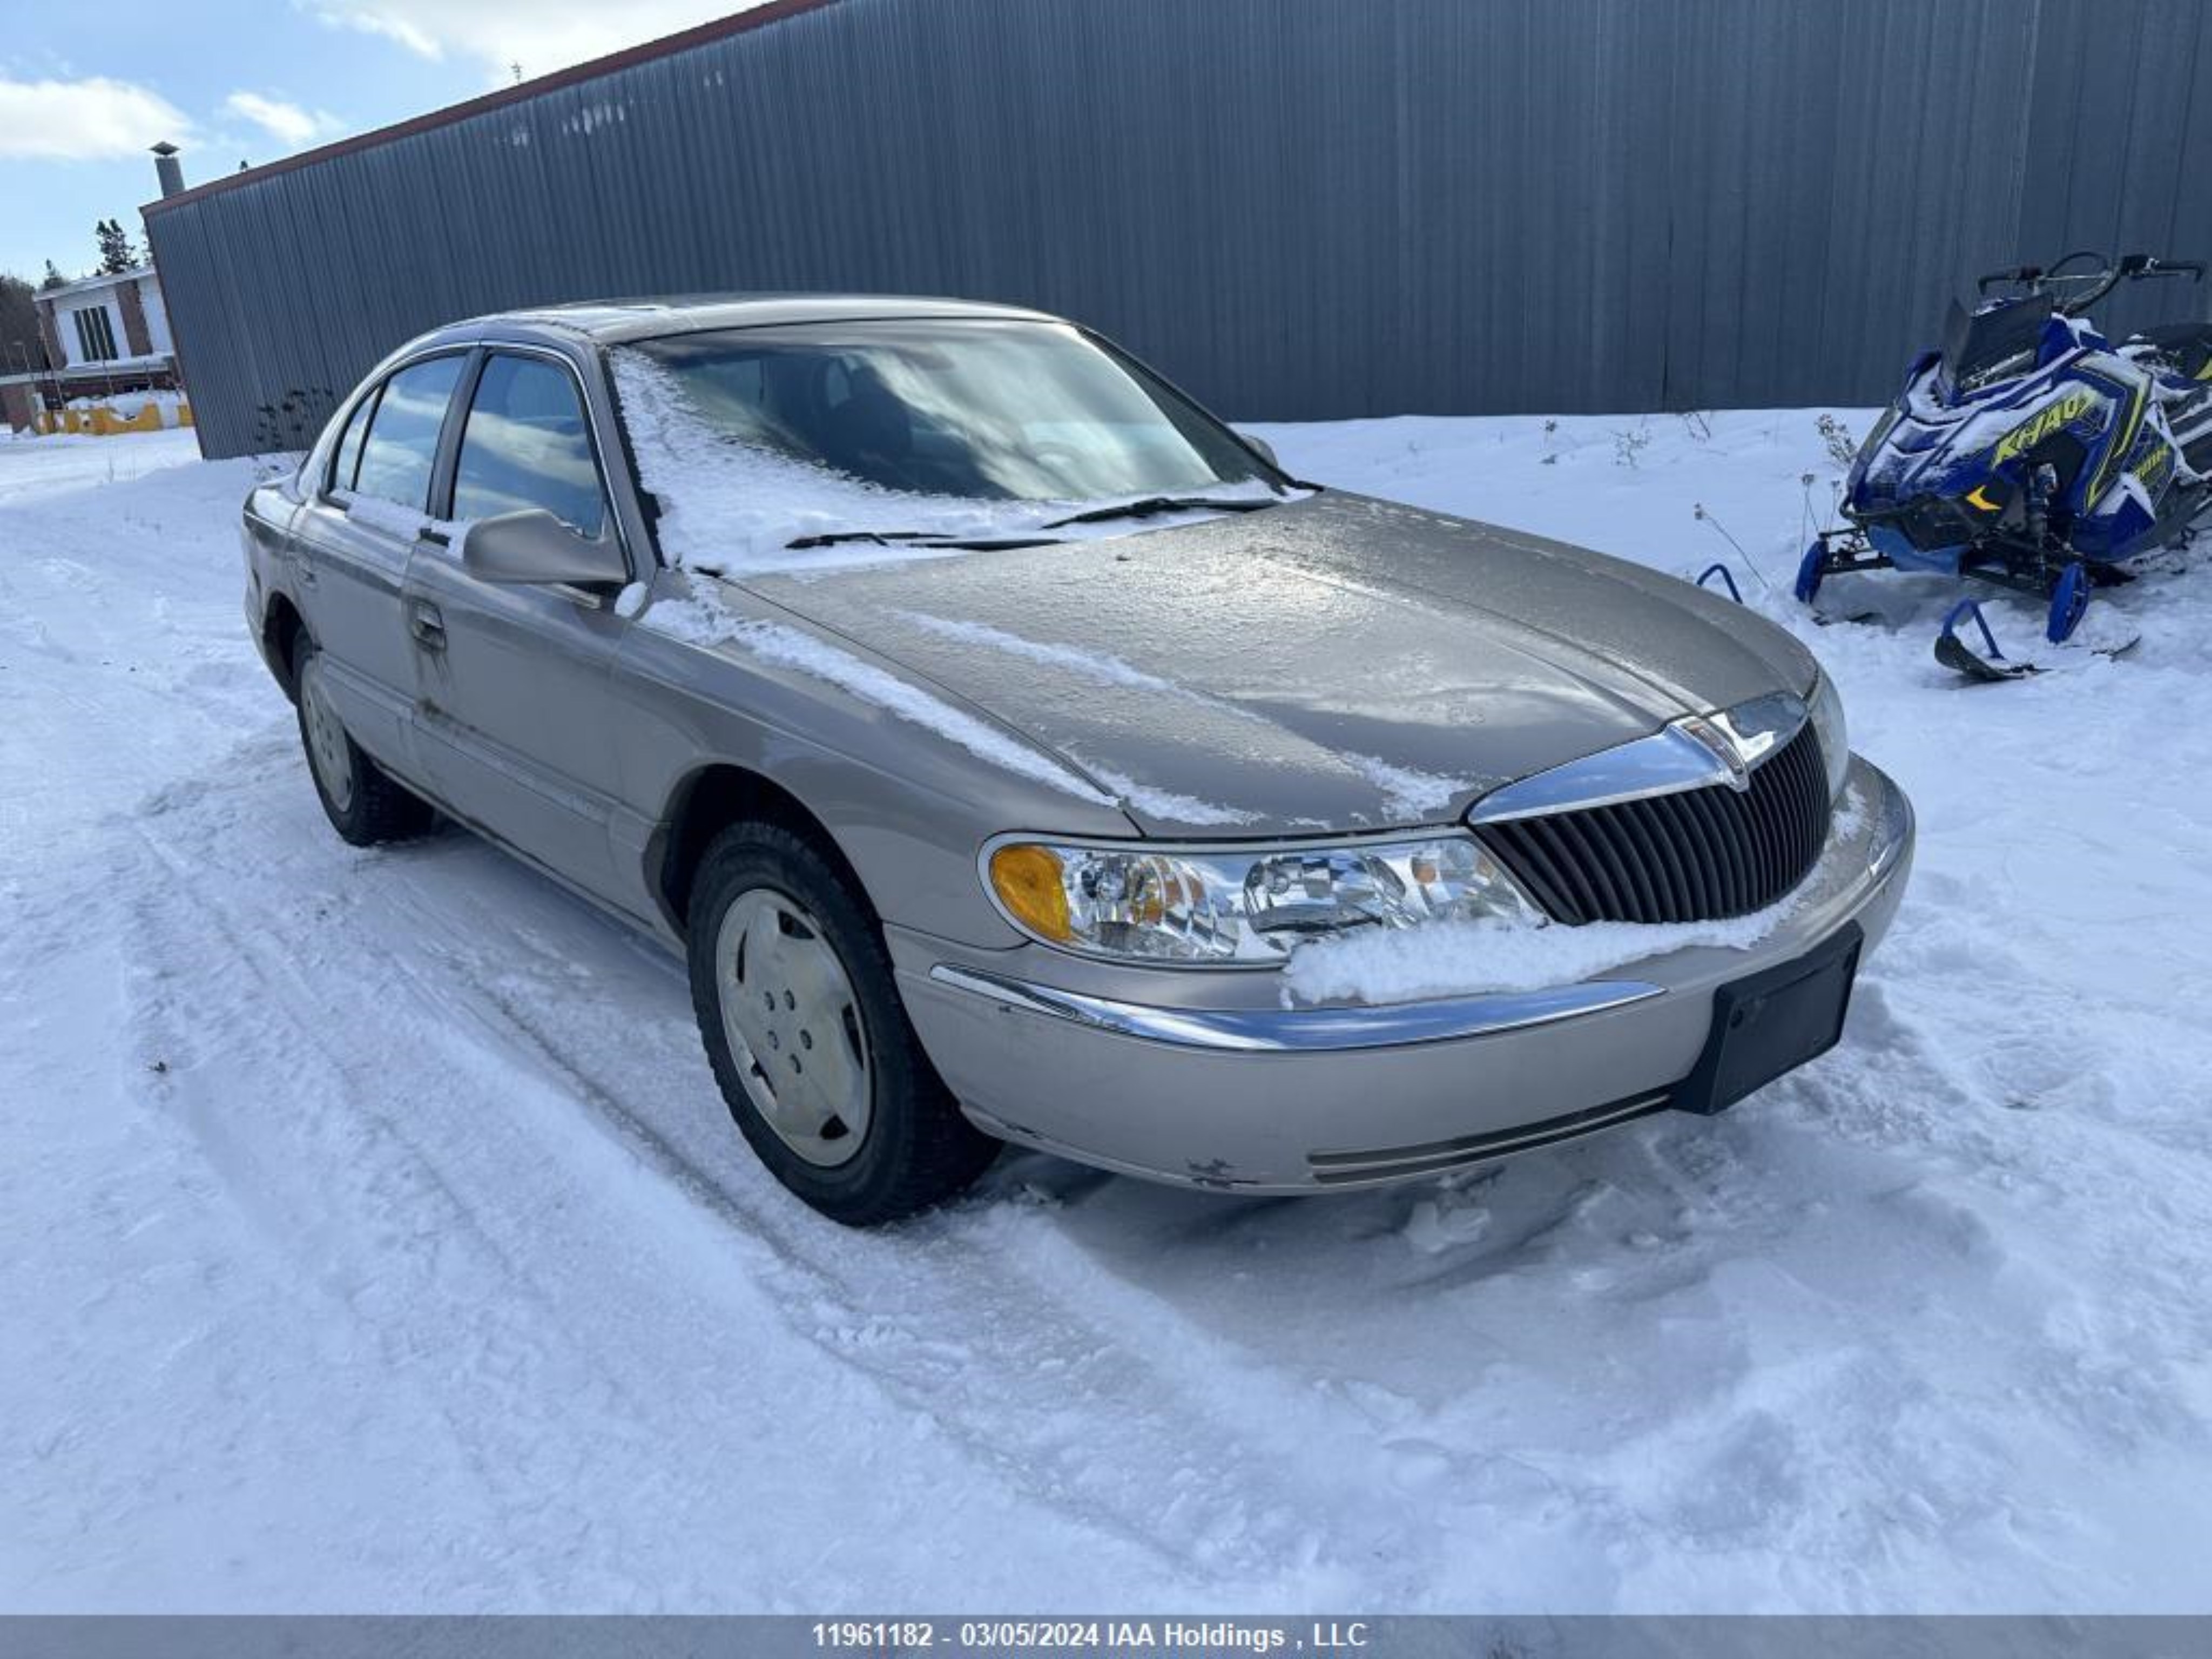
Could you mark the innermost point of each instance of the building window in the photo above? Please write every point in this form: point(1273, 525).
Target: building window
point(95, 335)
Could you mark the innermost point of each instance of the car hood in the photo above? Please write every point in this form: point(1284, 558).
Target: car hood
point(1336, 663)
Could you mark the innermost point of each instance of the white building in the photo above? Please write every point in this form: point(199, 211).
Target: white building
point(117, 320)
point(104, 336)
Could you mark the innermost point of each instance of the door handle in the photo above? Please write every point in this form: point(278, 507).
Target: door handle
point(428, 627)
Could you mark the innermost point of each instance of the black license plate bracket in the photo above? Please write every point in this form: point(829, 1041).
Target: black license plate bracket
point(1773, 1021)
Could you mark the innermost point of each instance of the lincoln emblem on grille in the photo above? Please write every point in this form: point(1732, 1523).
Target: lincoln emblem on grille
point(1725, 747)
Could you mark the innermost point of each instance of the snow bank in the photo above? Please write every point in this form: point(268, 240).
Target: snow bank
point(129, 406)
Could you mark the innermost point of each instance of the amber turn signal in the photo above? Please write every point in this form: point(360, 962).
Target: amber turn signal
point(1028, 882)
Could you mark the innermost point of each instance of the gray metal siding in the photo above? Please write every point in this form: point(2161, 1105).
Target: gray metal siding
point(1298, 209)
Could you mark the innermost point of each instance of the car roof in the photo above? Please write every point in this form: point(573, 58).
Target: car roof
point(612, 321)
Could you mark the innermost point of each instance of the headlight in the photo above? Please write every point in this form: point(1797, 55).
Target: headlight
point(1828, 726)
point(1240, 906)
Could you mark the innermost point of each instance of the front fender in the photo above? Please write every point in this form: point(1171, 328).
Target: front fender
point(876, 757)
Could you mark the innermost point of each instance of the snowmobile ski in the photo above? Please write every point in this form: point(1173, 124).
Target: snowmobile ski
point(1995, 667)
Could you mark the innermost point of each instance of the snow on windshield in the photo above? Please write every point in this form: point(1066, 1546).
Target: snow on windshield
point(736, 507)
point(731, 506)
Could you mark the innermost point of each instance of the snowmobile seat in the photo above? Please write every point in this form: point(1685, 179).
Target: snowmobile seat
point(2188, 346)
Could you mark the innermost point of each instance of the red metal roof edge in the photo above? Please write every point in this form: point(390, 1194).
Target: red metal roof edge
point(699, 35)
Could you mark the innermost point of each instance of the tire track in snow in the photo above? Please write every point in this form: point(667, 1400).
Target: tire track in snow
point(860, 1312)
point(1207, 1460)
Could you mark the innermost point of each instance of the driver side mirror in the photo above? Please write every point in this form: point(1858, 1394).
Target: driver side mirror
point(532, 546)
point(1267, 450)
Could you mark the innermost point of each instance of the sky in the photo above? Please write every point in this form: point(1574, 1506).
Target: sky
point(85, 88)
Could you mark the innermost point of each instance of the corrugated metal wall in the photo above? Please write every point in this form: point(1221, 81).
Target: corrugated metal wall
point(1299, 208)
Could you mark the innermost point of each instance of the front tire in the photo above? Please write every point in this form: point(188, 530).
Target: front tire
point(802, 1021)
point(361, 799)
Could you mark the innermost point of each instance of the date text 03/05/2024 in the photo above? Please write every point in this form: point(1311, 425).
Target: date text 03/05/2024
point(1170, 1635)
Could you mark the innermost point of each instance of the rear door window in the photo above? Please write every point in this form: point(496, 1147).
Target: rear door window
point(401, 450)
point(527, 444)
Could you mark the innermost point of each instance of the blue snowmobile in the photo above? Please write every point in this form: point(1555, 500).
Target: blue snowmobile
point(2032, 452)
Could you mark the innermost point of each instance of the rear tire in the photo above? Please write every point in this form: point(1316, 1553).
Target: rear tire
point(789, 972)
point(364, 805)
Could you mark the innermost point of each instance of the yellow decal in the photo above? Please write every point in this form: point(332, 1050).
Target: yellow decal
point(1974, 499)
point(2116, 451)
point(2153, 466)
point(2041, 424)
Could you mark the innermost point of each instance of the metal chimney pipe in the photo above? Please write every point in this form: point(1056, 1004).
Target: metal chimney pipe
point(166, 167)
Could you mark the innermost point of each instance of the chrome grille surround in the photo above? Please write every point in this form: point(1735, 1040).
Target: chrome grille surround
point(1711, 818)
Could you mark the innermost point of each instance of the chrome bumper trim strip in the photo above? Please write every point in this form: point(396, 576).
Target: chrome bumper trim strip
point(1474, 1149)
point(1302, 1031)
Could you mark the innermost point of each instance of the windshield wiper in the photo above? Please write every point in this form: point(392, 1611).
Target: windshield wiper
point(919, 538)
point(1153, 505)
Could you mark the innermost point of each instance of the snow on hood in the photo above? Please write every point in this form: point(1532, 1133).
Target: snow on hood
point(704, 622)
point(1334, 664)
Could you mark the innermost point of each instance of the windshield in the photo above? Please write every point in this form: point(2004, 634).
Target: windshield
point(2000, 335)
point(982, 411)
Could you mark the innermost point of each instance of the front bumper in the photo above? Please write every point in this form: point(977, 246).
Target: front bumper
point(1204, 1078)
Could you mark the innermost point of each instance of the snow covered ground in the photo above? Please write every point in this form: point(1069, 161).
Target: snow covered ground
point(375, 1237)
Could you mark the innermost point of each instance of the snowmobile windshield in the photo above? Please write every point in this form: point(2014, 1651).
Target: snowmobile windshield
point(1978, 342)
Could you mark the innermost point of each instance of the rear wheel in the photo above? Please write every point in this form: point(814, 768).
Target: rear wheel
point(361, 799)
point(815, 1055)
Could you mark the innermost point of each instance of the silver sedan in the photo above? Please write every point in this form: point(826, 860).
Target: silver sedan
point(1017, 753)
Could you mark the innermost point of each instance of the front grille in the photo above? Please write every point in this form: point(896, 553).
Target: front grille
point(1696, 855)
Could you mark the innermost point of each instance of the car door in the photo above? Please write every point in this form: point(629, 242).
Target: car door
point(353, 540)
point(513, 719)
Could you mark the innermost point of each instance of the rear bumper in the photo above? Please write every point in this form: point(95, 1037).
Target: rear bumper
point(1205, 1080)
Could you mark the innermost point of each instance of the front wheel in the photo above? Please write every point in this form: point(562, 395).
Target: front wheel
point(801, 1018)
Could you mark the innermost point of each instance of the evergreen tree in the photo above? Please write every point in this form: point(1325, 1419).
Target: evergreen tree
point(53, 278)
point(116, 253)
point(21, 349)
